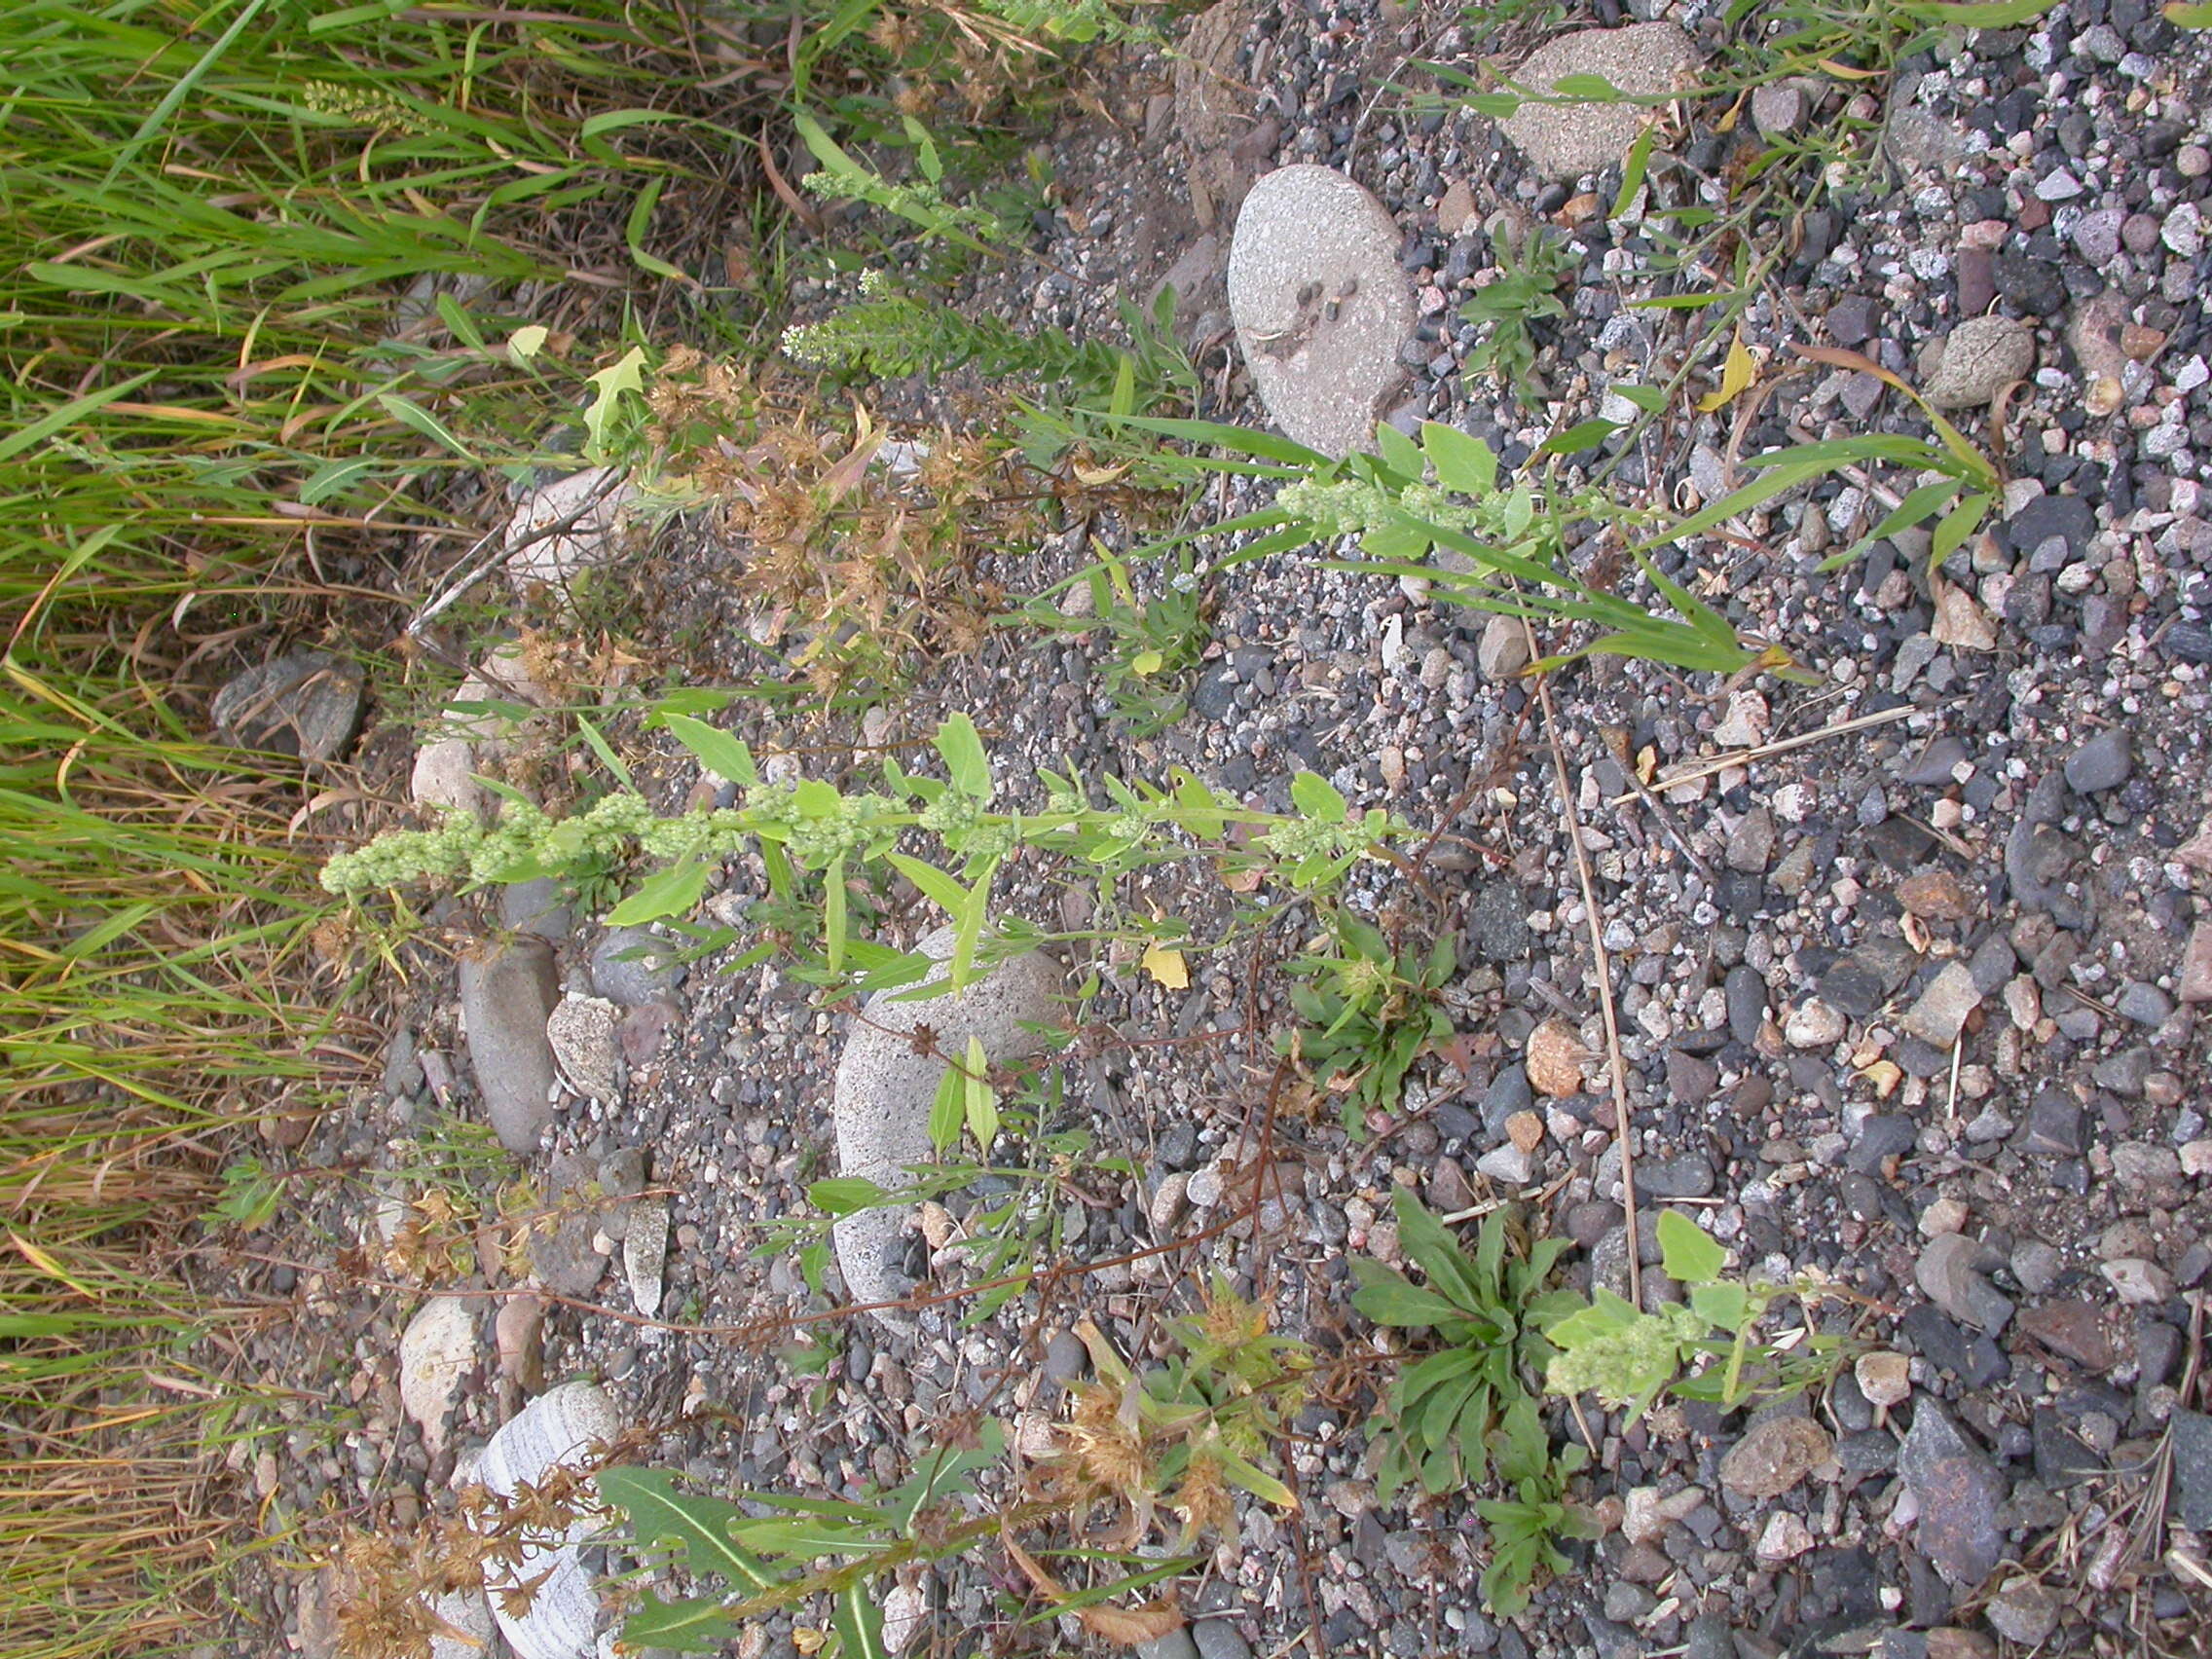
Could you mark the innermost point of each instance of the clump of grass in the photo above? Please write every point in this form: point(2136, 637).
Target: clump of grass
point(213, 403)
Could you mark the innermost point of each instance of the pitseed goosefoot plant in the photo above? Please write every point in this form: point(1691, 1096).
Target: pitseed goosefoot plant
point(1701, 1349)
point(815, 826)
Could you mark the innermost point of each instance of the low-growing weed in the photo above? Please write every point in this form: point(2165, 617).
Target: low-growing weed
point(1368, 1012)
point(1524, 1528)
point(1417, 507)
point(1702, 1349)
point(1158, 640)
point(807, 1546)
point(1488, 1310)
point(1184, 1434)
point(1531, 270)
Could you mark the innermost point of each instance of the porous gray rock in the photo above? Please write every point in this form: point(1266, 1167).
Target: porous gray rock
point(557, 1430)
point(633, 966)
point(1940, 1012)
point(884, 1091)
point(1564, 141)
point(507, 991)
point(1950, 1273)
point(562, 1258)
point(1975, 361)
point(538, 905)
point(1960, 1494)
point(1320, 304)
point(307, 704)
point(487, 711)
point(645, 1252)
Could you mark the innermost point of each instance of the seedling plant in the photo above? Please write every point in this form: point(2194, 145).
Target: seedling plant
point(1368, 1013)
point(1702, 1348)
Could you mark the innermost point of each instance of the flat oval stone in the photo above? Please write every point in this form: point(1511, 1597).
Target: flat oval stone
point(1320, 304)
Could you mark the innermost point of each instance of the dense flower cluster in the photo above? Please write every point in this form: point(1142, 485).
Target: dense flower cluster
point(1621, 1366)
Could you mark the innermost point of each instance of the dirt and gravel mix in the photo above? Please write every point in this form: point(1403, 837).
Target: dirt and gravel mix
point(1916, 1003)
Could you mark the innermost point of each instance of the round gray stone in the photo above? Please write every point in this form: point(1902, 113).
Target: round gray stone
point(1565, 140)
point(1320, 304)
point(506, 993)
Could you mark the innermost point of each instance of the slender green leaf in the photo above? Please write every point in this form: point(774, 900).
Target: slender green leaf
point(727, 758)
point(700, 1529)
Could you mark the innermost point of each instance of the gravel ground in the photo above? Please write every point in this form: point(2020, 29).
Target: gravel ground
point(1915, 1005)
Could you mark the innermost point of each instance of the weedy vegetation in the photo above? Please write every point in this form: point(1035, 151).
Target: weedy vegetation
point(1702, 1348)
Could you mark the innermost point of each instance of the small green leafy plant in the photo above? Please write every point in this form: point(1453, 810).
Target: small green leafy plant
point(1524, 1528)
point(1186, 1432)
point(1368, 1012)
point(1436, 509)
point(809, 1546)
point(1701, 1349)
point(1529, 274)
point(1489, 1312)
point(885, 332)
point(1158, 639)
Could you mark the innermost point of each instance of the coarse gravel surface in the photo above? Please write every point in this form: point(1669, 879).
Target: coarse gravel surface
point(1916, 1005)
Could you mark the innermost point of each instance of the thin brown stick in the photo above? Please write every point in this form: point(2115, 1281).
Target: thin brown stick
point(1744, 757)
point(1601, 964)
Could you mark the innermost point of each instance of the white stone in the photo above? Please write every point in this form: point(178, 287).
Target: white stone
point(1565, 140)
point(555, 1431)
point(554, 561)
point(435, 1352)
point(884, 1091)
point(1321, 305)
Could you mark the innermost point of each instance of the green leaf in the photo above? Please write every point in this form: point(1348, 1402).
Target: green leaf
point(965, 762)
point(947, 1110)
point(1464, 464)
point(411, 413)
point(1495, 106)
point(1958, 524)
point(607, 387)
point(1433, 1373)
point(1318, 798)
point(1585, 434)
point(1590, 88)
point(1634, 169)
point(1490, 1257)
point(697, 1624)
point(935, 884)
point(1440, 1412)
point(1723, 1304)
point(699, 1528)
point(727, 758)
point(858, 1623)
point(835, 926)
point(1690, 1254)
point(1400, 454)
point(1249, 1476)
point(675, 892)
point(1389, 1297)
point(981, 1098)
point(1649, 399)
point(845, 1194)
point(1991, 15)
point(1436, 1252)
point(596, 741)
point(2188, 17)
